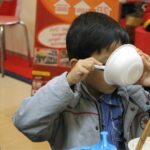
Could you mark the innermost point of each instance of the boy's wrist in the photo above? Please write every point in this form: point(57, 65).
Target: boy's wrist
point(69, 79)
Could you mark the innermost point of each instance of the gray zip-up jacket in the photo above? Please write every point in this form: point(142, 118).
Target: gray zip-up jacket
point(66, 119)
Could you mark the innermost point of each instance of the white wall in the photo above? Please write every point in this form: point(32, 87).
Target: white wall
point(15, 40)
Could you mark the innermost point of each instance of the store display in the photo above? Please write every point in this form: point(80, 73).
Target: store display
point(53, 19)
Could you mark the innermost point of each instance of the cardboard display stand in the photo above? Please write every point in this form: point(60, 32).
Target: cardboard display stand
point(53, 19)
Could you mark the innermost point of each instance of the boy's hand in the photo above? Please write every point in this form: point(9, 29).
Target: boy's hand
point(145, 79)
point(81, 69)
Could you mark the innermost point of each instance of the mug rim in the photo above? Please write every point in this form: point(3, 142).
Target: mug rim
point(107, 75)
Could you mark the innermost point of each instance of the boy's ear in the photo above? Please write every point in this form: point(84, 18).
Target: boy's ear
point(73, 61)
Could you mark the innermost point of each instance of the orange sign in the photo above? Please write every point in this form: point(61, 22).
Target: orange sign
point(66, 10)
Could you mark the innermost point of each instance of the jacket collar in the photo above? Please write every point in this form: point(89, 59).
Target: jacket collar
point(135, 94)
point(107, 98)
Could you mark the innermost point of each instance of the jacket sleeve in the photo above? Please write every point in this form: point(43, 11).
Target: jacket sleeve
point(38, 114)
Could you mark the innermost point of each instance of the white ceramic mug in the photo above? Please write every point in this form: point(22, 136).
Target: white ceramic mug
point(123, 67)
point(133, 143)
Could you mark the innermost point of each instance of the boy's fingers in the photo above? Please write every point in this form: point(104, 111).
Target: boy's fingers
point(93, 60)
point(96, 61)
point(146, 56)
point(89, 63)
point(81, 75)
point(89, 66)
point(142, 53)
point(139, 50)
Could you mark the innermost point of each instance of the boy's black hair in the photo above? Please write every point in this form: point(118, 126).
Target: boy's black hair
point(91, 32)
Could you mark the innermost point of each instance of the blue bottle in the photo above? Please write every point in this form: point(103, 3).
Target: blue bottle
point(103, 143)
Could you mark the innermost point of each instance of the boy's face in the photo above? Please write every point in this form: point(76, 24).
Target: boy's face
point(95, 79)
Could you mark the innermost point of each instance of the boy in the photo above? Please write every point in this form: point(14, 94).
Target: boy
point(72, 109)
